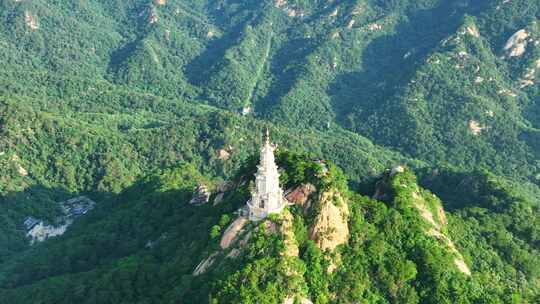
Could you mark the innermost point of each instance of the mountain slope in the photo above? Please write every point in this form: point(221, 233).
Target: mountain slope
point(48, 157)
point(391, 252)
point(368, 66)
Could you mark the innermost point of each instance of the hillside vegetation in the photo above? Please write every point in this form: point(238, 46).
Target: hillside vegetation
point(450, 75)
point(148, 245)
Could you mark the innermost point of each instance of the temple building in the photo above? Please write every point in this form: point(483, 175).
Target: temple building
point(266, 196)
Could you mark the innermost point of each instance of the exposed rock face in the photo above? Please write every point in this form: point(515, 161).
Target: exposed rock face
point(473, 31)
point(436, 218)
point(20, 169)
point(506, 92)
point(41, 231)
point(31, 20)
point(374, 27)
point(331, 225)
point(291, 300)
point(530, 75)
point(424, 211)
point(245, 111)
point(280, 3)
point(396, 170)
point(234, 253)
point(223, 154)
point(287, 230)
point(218, 199)
point(458, 260)
point(150, 13)
point(38, 231)
point(300, 195)
point(442, 216)
point(205, 264)
point(516, 44)
point(201, 196)
point(224, 187)
point(475, 127)
point(152, 243)
point(435, 231)
point(153, 17)
point(525, 83)
point(292, 12)
point(231, 233)
point(229, 237)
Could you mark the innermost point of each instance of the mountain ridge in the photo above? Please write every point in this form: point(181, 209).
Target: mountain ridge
point(418, 269)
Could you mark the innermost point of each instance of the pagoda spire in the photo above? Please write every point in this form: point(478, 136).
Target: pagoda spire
point(267, 136)
point(267, 196)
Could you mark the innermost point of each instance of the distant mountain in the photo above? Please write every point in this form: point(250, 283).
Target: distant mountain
point(452, 76)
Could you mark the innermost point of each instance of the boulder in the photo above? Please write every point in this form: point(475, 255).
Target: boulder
point(224, 187)
point(223, 154)
point(201, 196)
point(291, 300)
point(300, 195)
point(234, 253)
point(516, 44)
point(396, 170)
point(331, 227)
point(31, 20)
point(473, 31)
point(205, 264)
point(246, 111)
point(218, 199)
point(232, 232)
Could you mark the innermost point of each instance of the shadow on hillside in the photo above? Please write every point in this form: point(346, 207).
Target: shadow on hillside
point(122, 225)
point(286, 66)
point(199, 69)
point(389, 62)
point(288, 63)
point(460, 189)
point(39, 202)
point(245, 13)
point(119, 57)
point(43, 204)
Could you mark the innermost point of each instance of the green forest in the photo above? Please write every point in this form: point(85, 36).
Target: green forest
point(417, 120)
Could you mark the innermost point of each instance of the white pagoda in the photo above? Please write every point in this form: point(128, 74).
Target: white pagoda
point(267, 196)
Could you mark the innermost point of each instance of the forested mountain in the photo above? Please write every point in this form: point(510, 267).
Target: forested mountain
point(149, 245)
point(135, 103)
